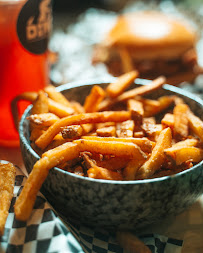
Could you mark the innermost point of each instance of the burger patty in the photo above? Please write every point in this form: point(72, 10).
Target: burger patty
point(149, 69)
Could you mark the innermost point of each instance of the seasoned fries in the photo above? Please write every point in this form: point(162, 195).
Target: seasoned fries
point(157, 157)
point(181, 129)
point(79, 119)
point(122, 83)
point(120, 149)
point(93, 99)
point(51, 158)
point(7, 181)
point(115, 135)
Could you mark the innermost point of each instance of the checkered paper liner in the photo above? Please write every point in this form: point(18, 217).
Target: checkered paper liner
point(46, 232)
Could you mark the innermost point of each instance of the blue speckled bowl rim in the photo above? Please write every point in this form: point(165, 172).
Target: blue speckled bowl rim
point(139, 81)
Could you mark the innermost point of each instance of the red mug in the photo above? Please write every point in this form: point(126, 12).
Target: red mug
point(25, 27)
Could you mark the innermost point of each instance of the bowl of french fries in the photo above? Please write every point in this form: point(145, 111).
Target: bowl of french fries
point(121, 153)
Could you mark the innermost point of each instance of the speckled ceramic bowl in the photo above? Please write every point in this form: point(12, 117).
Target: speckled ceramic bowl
point(110, 204)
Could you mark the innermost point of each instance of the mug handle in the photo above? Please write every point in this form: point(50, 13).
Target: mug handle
point(27, 96)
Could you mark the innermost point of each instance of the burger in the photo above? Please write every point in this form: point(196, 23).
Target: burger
point(154, 44)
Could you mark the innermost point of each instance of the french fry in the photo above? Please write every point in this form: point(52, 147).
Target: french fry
point(145, 144)
point(98, 172)
point(121, 149)
point(126, 129)
point(182, 154)
point(111, 162)
point(151, 129)
point(35, 133)
point(131, 243)
point(43, 119)
point(94, 98)
point(57, 96)
point(137, 111)
point(102, 173)
point(139, 91)
point(7, 182)
point(186, 143)
point(106, 131)
point(168, 120)
point(25, 202)
point(153, 107)
point(157, 156)
point(59, 109)
point(78, 108)
point(72, 132)
point(87, 128)
point(131, 169)
point(181, 129)
point(196, 125)
point(122, 83)
point(78, 119)
point(143, 90)
point(40, 105)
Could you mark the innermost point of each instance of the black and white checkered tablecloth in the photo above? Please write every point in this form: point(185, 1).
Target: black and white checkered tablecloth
point(45, 232)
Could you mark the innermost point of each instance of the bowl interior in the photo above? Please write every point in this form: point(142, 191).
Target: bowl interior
point(79, 90)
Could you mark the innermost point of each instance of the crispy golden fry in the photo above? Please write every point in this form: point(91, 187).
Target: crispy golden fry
point(111, 162)
point(186, 143)
point(181, 129)
point(126, 60)
point(105, 124)
point(98, 172)
point(43, 119)
point(78, 119)
point(151, 129)
point(157, 156)
point(7, 182)
point(94, 98)
point(145, 144)
point(196, 125)
point(126, 129)
point(40, 105)
point(177, 100)
point(138, 133)
point(59, 109)
point(183, 154)
point(57, 96)
point(143, 90)
point(131, 243)
point(122, 83)
point(131, 169)
point(168, 121)
point(87, 128)
point(106, 131)
point(25, 202)
point(56, 142)
point(78, 108)
point(102, 173)
point(121, 149)
point(35, 133)
point(137, 110)
point(153, 107)
point(72, 132)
